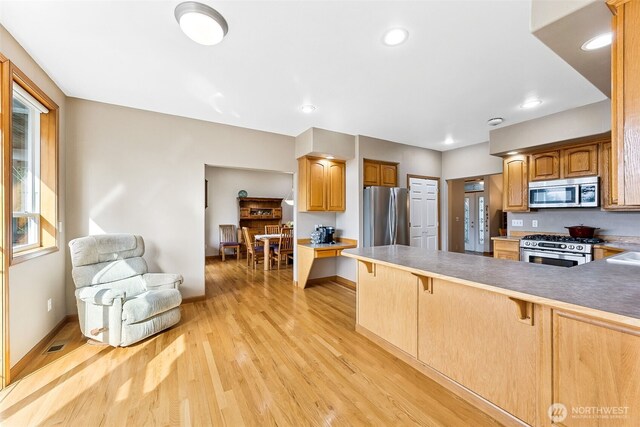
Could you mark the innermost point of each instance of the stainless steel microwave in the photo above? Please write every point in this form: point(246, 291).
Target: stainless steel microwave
point(564, 193)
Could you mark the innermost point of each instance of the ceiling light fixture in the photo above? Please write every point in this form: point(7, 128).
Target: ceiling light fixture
point(449, 141)
point(329, 157)
point(289, 199)
point(531, 103)
point(395, 36)
point(495, 121)
point(308, 108)
point(201, 23)
point(597, 42)
point(512, 153)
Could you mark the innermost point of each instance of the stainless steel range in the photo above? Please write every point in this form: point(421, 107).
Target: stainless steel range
point(563, 251)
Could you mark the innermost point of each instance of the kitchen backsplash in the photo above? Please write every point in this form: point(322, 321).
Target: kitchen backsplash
point(554, 220)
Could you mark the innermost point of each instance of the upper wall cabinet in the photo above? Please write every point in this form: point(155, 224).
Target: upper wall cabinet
point(625, 112)
point(515, 192)
point(376, 172)
point(579, 161)
point(321, 185)
point(544, 166)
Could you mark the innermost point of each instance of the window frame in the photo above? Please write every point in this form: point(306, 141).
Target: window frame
point(48, 177)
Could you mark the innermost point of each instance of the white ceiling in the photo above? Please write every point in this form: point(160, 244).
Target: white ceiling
point(464, 62)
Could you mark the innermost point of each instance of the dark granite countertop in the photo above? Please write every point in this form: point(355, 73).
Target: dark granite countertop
point(598, 288)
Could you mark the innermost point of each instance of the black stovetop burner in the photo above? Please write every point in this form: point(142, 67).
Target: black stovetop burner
point(563, 239)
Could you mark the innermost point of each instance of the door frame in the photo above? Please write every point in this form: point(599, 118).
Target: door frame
point(6, 100)
point(434, 178)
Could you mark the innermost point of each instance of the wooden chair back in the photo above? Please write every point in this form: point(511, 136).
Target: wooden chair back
point(228, 233)
point(272, 229)
point(285, 244)
point(286, 231)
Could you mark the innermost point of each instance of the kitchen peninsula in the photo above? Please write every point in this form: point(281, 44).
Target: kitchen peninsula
point(512, 338)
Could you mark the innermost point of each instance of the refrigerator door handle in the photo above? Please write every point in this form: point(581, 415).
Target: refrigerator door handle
point(392, 218)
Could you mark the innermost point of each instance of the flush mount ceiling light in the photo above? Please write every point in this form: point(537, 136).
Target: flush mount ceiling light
point(495, 121)
point(201, 23)
point(395, 36)
point(329, 157)
point(308, 108)
point(598, 41)
point(531, 103)
point(449, 141)
point(512, 153)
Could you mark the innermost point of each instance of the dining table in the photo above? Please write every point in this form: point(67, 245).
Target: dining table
point(267, 239)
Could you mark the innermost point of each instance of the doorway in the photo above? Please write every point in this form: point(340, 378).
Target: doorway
point(474, 213)
point(424, 219)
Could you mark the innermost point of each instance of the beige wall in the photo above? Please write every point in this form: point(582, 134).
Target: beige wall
point(592, 119)
point(141, 172)
point(33, 282)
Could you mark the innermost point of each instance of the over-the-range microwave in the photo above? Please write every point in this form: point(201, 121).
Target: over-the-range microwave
point(564, 193)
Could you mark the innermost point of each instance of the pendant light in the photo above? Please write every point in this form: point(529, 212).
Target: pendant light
point(289, 199)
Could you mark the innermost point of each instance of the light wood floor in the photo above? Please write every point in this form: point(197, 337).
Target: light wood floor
point(257, 351)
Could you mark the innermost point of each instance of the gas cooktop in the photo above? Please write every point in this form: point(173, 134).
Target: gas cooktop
point(563, 239)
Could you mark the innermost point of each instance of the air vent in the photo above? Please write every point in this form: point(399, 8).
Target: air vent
point(55, 347)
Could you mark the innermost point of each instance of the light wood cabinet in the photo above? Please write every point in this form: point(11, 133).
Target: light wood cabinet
point(388, 304)
point(602, 253)
point(544, 166)
point(516, 184)
point(321, 184)
point(595, 367)
point(579, 161)
point(506, 249)
point(608, 200)
point(377, 172)
point(371, 171)
point(625, 113)
point(388, 175)
point(476, 338)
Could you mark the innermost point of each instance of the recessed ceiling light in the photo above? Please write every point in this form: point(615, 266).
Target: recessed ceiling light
point(201, 23)
point(308, 108)
point(598, 41)
point(395, 36)
point(511, 153)
point(449, 141)
point(531, 103)
point(495, 121)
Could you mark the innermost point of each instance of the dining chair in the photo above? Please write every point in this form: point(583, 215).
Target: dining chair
point(272, 229)
point(255, 250)
point(229, 239)
point(283, 250)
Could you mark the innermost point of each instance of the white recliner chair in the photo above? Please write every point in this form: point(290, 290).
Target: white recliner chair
point(119, 303)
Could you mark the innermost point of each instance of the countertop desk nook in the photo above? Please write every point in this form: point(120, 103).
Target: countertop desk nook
point(308, 253)
point(511, 338)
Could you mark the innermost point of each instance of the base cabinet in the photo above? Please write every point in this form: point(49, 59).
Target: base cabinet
point(596, 372)
point(388, 304)
point(477, 338)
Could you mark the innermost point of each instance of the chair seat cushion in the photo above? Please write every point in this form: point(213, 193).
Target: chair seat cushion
point(229, 244)
point(149, 304)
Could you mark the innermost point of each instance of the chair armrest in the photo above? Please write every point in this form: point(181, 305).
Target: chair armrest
point(162, 280)
point(99, 296)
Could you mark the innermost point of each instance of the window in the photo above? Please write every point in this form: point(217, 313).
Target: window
point(30, 150)
point(25, 170)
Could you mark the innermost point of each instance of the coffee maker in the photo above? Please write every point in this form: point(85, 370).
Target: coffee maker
point(326, 234)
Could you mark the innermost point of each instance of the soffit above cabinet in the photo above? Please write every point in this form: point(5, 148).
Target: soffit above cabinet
point(322, 143)
point(565, 26)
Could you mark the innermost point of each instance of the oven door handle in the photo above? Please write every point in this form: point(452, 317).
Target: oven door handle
point(563, 255)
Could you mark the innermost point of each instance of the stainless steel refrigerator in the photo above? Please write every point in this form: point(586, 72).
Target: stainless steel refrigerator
point(385, 216)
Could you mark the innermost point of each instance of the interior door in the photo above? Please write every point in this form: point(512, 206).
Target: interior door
point(423, 213)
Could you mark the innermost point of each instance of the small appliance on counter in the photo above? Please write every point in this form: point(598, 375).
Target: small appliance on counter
point(323, 235)
point(562, 251)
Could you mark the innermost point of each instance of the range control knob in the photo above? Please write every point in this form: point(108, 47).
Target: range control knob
point(570, 246)
point(563, 246)
point(579, 247)
point(527, 243)
point(534, 243)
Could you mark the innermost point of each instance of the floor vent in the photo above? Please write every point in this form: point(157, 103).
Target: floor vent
point(55, 347)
